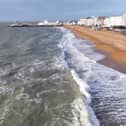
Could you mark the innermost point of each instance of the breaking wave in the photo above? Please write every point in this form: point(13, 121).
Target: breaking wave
point(102, 88)
point(75, 60)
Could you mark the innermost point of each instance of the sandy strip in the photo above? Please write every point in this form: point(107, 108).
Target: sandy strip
point(111, 43)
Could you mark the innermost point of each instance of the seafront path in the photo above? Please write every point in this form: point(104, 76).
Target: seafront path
point(112, 44)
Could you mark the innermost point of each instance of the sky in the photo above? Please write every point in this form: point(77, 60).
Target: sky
point(35, 10)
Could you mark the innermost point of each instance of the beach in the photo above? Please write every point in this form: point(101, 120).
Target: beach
point(112, 44)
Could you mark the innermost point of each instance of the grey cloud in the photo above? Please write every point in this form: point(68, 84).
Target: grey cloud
point(62, 9)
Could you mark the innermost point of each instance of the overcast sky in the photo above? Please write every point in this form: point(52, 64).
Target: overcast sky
point(58, 9)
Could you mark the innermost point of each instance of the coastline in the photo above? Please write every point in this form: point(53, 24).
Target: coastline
point(111, 44)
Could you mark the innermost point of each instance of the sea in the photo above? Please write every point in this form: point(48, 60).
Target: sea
point(49, 77)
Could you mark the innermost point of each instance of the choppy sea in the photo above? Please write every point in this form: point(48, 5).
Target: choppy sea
point(49, 77)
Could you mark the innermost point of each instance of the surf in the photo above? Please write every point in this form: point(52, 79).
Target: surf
point(101, 87)
point(72, 56)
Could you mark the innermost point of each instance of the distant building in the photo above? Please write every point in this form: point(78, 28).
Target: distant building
point(73, 22)
point(86, 21)
point(92, 21)
point(103, 21)
point(89, 21)
point(114, 21)
point(49, 23)
point(124, 19)
point(82, 21)
point(95, 21)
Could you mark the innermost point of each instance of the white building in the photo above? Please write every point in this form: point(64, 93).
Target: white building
point(42, 23)
point(124, 19)
point(92, 21)
point(88, 21)
point(82, 21)
point(104, 21)
point(49, 23)
point(114, 21)
point(101, 21)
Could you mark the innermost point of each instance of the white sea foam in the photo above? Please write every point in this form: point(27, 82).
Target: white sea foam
point(83, 86)
point(108, 83)
point(82, 109)
point(83, 114)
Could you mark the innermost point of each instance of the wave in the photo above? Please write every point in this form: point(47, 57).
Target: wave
point(72, 56)
point(103, 88)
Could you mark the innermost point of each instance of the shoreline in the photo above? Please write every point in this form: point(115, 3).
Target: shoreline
point(109, 43)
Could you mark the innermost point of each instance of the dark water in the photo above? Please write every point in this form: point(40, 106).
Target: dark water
point(48, 77)
point(36, 87)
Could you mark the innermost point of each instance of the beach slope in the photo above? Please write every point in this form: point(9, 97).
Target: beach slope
point(112, 44)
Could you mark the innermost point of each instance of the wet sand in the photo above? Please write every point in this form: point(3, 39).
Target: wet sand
point(111, 44)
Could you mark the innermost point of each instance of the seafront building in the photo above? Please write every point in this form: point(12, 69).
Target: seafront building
point(92, 21)
point(49, 23)
point(114, 21)
point(124, 19)
point(103, 21)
